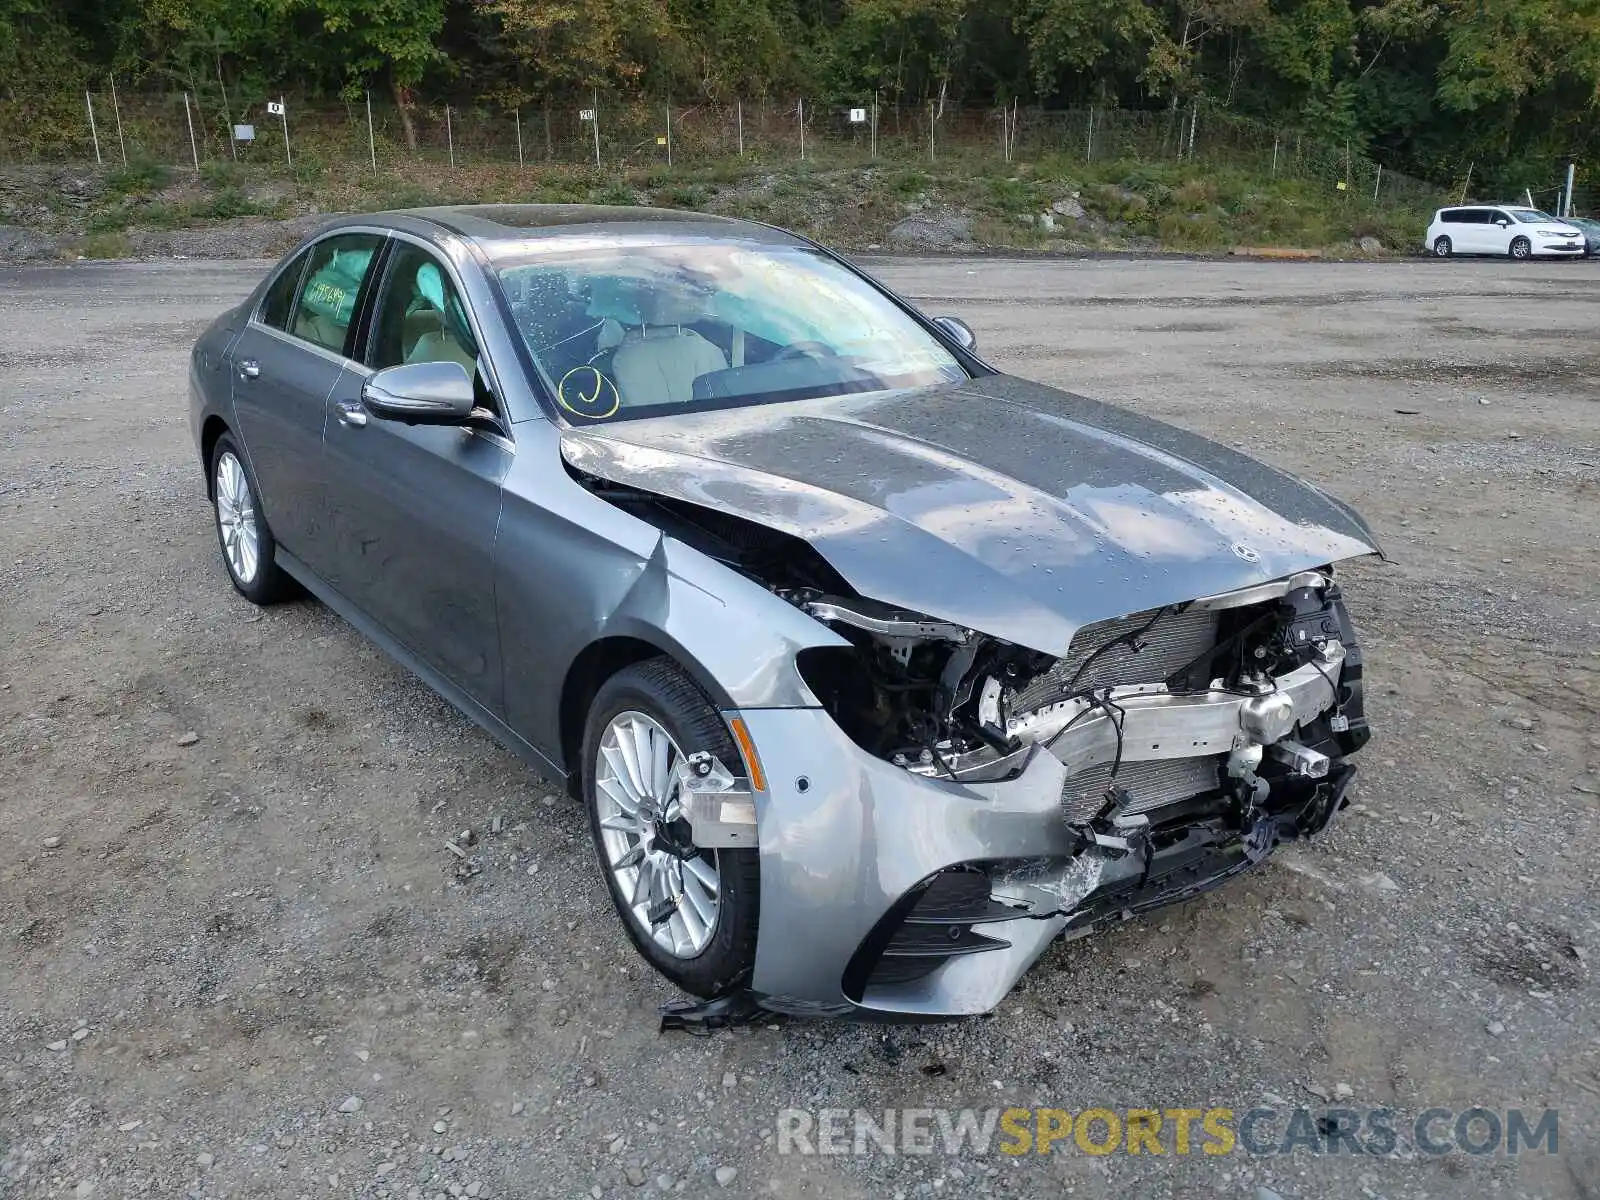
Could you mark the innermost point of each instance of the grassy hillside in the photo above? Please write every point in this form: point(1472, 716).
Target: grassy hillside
point(1049, 205)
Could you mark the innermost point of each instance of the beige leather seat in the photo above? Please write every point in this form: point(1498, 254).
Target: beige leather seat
point(658, 362)
point(323, 331)
point(439, 346)
point(427, 331)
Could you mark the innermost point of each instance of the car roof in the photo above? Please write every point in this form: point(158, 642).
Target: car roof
point(505, 224)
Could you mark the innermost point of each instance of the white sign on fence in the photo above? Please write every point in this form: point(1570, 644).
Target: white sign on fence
point(244, 133)
point(586, 114)
point(275, 107)
point(858, 116)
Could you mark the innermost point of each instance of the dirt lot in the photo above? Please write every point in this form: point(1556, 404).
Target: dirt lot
point(236, 958)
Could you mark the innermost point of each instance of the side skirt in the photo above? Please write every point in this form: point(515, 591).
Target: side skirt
point(458, 699)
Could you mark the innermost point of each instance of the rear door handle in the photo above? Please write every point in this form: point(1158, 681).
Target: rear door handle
point(250, 368)
point(351, 413)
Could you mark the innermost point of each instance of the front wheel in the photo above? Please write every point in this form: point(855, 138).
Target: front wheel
point(691, 913)
point(248, 548)
point(1521, 248)
point(1442, 247)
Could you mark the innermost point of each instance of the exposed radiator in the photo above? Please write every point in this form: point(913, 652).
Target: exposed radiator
point(1150, 785)
point(1175, 640)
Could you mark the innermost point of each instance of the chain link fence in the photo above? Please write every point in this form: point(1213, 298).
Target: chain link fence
point(610, 132)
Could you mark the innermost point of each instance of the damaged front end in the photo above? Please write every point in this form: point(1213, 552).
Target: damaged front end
point(955, 802)
point(1190, 740)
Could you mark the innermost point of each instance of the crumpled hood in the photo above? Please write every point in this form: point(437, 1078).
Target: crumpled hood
point(1006, 506)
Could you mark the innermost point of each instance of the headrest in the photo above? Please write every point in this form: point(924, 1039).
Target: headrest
point(615, 298)
point(430, 285)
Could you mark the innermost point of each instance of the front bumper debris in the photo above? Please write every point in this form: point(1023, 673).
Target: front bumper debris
point(888, 895)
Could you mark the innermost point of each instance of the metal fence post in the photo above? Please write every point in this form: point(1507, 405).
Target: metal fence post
point(116, 110)
point(1088, 153)
point(1377, 183)
point(930, 131)
point(188, 117)
point(94, 134)
point(516, 116)
point(283, 112)
point(738, 116)
point(669, 133)
point(800, 109)
point(1275, 138)
point(1194, 120)
point(449, 136)
point(372, 141)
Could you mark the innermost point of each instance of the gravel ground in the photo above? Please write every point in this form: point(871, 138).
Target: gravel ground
point(237, 959)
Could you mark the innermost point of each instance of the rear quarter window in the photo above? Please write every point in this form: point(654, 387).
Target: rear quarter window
point(278, 303)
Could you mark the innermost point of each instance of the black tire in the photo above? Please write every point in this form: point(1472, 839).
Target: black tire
point(269, 584)
point(1521, 248)
point(1443, 247)
point(660, 689)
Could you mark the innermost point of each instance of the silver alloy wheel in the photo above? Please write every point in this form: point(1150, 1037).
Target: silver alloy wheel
point(236, 518)
point(673, 900)
point(1521, 248)
point(1442, 247)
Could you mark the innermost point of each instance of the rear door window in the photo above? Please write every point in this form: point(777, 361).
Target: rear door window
point(334, 277)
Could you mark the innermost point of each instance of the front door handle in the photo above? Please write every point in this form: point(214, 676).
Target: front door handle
point(250, 368)
point(351, 413)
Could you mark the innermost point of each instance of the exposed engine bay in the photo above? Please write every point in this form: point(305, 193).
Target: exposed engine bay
point(1210, 704)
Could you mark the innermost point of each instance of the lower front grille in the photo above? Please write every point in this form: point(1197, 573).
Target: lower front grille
point(1150, 785)
point(936, 921)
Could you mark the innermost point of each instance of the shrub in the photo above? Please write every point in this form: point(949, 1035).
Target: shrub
point(612, 193)
point(1191, 232)
point(682, 195)
point(1195, 195)
point(139, 178)
point(104, 245)
point(221, 173)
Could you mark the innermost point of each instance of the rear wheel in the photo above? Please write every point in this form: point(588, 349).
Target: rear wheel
point(1521, 248)
point(248, 549)
point(1442, 247)
point(692, 913)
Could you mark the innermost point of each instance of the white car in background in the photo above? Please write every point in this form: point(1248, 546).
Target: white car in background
point(1502, 229)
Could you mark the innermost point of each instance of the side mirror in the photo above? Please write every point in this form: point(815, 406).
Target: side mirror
point(1503, 223)
point(425, 393)
point(959, 332)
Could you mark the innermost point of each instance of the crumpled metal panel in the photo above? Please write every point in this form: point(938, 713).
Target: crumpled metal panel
point(1005, 506)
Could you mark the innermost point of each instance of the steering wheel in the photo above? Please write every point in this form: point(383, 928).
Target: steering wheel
point(805, 350)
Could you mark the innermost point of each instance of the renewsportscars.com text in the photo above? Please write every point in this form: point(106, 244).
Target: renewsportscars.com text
point(1213, 1131)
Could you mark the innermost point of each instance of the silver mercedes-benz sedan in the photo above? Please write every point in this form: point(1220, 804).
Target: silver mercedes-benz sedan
point(876, 669)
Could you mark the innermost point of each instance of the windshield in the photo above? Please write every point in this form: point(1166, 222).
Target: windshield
point(624, 330)
point(1529, 215)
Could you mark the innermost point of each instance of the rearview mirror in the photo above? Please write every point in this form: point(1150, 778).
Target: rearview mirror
point(959, 332)
point(425, 393)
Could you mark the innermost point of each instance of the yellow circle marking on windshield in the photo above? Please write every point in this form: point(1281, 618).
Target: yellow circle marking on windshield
point(583, 390)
